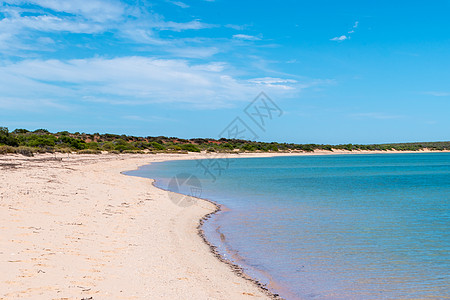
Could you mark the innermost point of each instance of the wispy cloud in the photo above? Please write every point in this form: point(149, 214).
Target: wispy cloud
point(180, 4)
point(174, 26)
point(235, 27)
point(95, 10)
point(346, 36)
point(189, 74)
point(135, 81)
point(246, 37)
point(21, 25)
point(279, 83)
point(193, 52)
point(340, 38)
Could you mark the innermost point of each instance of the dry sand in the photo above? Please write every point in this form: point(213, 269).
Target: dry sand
point(76, 228)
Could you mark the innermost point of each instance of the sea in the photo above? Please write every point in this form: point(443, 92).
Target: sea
point(357, 226)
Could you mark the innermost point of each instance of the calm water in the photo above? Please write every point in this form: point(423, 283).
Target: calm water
point(332, 227)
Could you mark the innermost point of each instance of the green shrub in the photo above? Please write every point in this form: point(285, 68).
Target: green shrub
point(26, 151)
point(71, 142)
point(40, 140)
point(133, 151)
point(89, 151)
point(40, 150)
point(108, 146)
point(272, 148)
point(227, 146)
point(64, 150)
point(7, 149)
point(248, 147)
point(190, 148)
point(7, 139)
point(41, 131)
point(20, 131)
point(92, 145)
point(156, 146)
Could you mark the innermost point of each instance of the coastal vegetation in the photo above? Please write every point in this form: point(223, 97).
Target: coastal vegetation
point(23, 141)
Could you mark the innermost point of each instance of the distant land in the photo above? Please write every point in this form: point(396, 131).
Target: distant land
point(23, 141)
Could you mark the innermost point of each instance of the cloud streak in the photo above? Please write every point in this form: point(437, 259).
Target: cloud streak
point(346, 36)
point(136, 81)
point(32, 31)
point(246, 37)
point(21, 25)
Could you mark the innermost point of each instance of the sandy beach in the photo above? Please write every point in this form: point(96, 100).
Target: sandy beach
point(74, 227)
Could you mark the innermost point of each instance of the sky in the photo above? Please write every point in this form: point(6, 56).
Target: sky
point(331, 72)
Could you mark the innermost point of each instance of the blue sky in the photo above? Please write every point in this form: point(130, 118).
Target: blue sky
point(341, 71)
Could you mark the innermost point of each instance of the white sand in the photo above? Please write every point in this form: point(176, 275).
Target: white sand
point(77, 228)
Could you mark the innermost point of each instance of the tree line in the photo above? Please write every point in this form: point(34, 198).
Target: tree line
point(27, 142)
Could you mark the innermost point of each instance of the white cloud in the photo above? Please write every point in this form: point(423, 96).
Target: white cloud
point(180, 4)
point(130, 80)
point(235, 27)
point(193, 52)
point(174, 26)
point(21, 25)
point(48, 23)
point(95, 10)
point(134, 81)
point(348, 36)
point(340, 38)
point(246, 37)
point(279, 83)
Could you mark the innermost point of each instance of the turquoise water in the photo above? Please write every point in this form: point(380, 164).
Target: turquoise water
point(332, 227)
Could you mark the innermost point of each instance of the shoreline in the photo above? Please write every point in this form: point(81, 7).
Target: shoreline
point(74, 227)
point(237, 269)
point(77, 228)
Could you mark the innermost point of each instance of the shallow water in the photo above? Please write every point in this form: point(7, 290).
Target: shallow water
point(331, 227)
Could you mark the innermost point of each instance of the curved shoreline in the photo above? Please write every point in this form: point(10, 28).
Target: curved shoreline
point(238, 270)
point(235, 268)
point(74, 227)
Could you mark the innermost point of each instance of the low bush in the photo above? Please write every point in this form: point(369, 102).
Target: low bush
point(133, 151)
point(7, 149)
point(190, 148)
point(26, 151)
point(89, 151)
